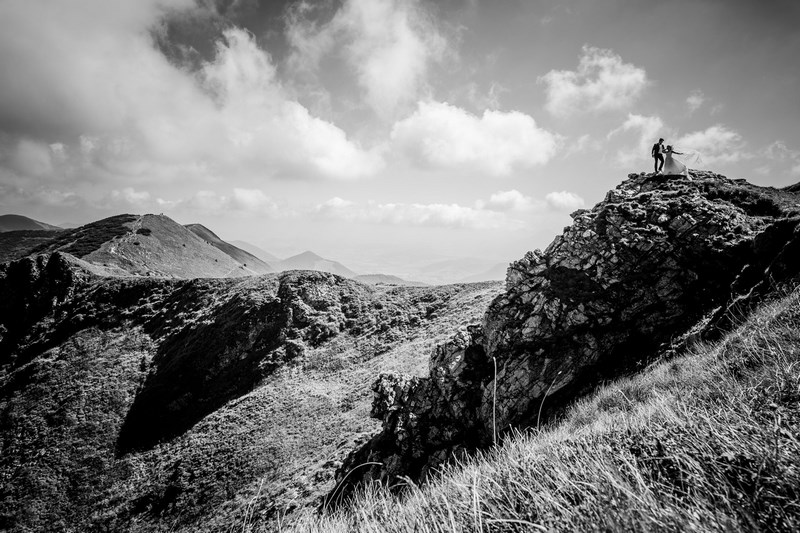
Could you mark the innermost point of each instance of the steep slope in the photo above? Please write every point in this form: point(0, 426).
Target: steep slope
point(151, 404)
point(258, 252)
point(247, 259)
point(657, 263)
point(311, 261)
point(19, 222)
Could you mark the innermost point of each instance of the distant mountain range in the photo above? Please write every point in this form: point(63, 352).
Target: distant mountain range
point(258, 252)
point(387, 279)
point(155, 245)
point(19, 223)
point(245, 258)
point(461, 270)
point(134, 245)
point(311, 261)
point(495, 273)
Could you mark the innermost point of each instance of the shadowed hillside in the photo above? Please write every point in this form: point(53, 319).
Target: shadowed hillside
point(20, 223)
point(143, 404)
point(19, 243)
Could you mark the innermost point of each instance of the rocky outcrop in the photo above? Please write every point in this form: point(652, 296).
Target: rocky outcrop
point(657, 258)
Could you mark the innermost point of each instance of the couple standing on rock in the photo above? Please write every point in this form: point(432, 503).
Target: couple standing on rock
point(669, 166)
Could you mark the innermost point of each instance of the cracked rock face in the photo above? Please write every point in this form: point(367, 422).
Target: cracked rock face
point(620, 284)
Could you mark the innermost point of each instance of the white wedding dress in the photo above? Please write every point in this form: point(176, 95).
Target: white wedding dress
point(673, 167)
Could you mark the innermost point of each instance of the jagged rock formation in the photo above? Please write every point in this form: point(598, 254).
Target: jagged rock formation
point(658, 261)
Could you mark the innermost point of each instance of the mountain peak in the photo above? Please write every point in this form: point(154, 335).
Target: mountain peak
point(308, 255)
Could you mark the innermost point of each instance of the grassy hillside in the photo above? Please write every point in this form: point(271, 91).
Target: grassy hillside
point(142, 404)
point(157, 245)
point(709, 441)
point(248, 260)
point(21, 223)
point(19, 243)
point(147, 245)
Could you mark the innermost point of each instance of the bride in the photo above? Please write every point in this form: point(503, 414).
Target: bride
point(672, 166)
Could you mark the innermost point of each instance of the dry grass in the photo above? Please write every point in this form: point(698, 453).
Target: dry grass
point(706, 442)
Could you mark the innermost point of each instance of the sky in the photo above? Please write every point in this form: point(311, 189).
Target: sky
point(383, 133)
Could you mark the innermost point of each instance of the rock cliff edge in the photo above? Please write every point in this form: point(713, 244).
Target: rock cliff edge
point(659, 263)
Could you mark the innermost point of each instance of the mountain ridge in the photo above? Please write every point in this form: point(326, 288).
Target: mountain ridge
point(309, 260)
point(12, 222)
point(248, 260)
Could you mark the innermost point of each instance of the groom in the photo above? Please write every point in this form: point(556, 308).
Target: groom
point(656, 152)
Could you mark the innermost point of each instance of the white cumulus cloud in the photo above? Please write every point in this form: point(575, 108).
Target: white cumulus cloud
point(564, 200)
point(441, 135)
point(716, 144)
point(512, 200)
point(602, 82)
point(640, 133)
point(92, 100)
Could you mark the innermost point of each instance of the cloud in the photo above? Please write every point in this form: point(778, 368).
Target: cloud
point(583, 144)
point(494, 213)
point(602, 82)
point(564, 201)
point(646, 131)
point(238, 202)
point(440, 135)
point(695, 100)
point(266, 127)
point(716, 144)
point(427, 215)
point(503, 201)
point(779, 153)
point(13, 198)
point(92, 100)
point(130, 197)
point(32, 158)
point(390, 45)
